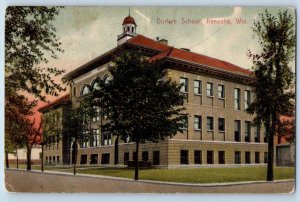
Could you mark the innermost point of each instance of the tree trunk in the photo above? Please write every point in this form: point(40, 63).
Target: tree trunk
point(117, 150)
point(17, 158)
point(75, 156)
point(6, 159)
point(42, 158)
point(28, 157)
point(279, 139)
point(270, 171)
point(136, 170)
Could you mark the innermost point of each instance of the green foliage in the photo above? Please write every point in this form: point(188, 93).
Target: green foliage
point(273, 87)
point(140, 101)
point(272, 67)
point(29, 37)
point(81, 118)
point(52, 127)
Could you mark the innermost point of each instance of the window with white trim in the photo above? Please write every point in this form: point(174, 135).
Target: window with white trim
point(197, 87)
point(197, 122)
point(209, 89)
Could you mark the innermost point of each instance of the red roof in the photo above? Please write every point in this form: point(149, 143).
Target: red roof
point(128, 20)
point(171, 52)
point(60, 101)
point(141, 40)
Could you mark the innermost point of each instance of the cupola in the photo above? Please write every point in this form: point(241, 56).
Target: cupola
point(129, 30)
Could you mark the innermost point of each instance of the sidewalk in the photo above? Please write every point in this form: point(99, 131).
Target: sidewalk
point(55, 181)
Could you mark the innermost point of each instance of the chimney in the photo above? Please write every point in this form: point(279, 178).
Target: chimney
point(163, 41)
point(186, 49)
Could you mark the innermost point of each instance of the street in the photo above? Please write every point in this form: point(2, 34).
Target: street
point(50, 181)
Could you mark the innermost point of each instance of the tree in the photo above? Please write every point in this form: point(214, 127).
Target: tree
point(17, 124)
point(30, 40)
point(33, 137)
point(52, 131)
point(80, 129)
point(274, 78)
point(140, 102)
point(286, 129)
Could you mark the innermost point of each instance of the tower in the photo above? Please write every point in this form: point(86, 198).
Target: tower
point(129, 30)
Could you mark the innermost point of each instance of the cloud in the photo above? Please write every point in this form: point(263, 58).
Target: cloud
point(142, 15)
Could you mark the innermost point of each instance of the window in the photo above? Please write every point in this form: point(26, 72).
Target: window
point(106, 79)
point(197, 157)
point(57, 159)
point(197, 122)
point(237, 130)
point(221, 157)
point(237, 99)
point(209, 89)
point(210, 123)
point(184, 85)
point(46, 159)
point(83, 143)
point(95, 85)
point(237, 157)
point(145, 156)
point(210, 157)
point(221, 124)
point(94, 159)
point(85, 90)
point(95, 140)
point(96, 116)
point(83, 159)
point(247, 157)
point(247, 98)
point(105, 158)
point(126, 158)
point(221, 91)
point(257, 159)
point(185, 122)
point(257, 134)
point(265, 157)
point(156, 158)
point(197, 87)
point(106, 138)
point(184, 157)
point(247, 131)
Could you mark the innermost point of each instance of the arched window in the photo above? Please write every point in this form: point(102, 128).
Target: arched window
point(85, 90)
point(74, 91)
point(106, 79)
point(95, 85)
point(128, 29)
point(132, 29)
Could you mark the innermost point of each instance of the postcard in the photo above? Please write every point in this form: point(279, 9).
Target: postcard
point(150, 99)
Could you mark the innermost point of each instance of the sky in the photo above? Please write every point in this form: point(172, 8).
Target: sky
point(87, 32)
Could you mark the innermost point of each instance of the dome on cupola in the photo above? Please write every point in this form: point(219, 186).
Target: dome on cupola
point(128, 20)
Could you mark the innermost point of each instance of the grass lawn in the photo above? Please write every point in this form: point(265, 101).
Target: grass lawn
point(197, 175)
point(187, 175)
